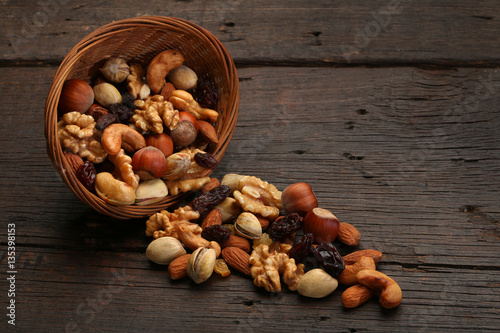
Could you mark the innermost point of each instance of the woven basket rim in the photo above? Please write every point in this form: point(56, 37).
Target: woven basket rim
point(113, 29)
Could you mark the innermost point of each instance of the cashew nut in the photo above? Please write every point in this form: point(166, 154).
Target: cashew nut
point(348, 276)
point(193, 241)
point(114, 191)
point(159, 67)
point(117, 136)
point(389, 292)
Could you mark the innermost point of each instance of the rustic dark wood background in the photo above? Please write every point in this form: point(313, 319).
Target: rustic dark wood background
point(389, 109)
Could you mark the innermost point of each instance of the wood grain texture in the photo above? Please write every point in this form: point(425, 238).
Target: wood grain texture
point(408, 155)
point(381, 32)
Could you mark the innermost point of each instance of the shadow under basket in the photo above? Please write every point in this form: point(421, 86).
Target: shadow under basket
point(139, 40)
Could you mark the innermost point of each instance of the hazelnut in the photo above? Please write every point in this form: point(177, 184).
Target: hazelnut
point(76, 95)
point(149, 163)
point(298, 198)
point(186, 131)
point(161, 141)
point(115, 70)
point(322, 224)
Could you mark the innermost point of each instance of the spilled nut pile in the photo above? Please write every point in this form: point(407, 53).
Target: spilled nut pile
point(135, 138)
point(246, 225)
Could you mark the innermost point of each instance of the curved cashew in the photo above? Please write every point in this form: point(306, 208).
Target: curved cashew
point(114, 191)
point(348, 276)
point(159, 67)
point(117, 136)
point(389, 292)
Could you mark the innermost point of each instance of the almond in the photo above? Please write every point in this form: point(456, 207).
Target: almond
point(74, 160)
point(213, 217)
point(264, 223)
point(356, 295)
point(237, 259)
point(237, 241)
point(351, 258)
point(348, 234)
point(213, 183)
point(177, 268)
point(208, 132)
point(166, 91)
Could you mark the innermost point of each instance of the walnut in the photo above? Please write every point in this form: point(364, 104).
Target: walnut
point(123, 165)
point(185, 185)
point(136, 85)
point(76, 132)
point(165, 223)
point(268, 265)
point(153, 113)
point(258, 197)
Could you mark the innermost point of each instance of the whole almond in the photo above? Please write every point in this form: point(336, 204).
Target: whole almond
point(167, 89)
point(237, 259)
point(356, 295)
point(348, 276)
point(74, 160)
point(351, 258)
point(264, 223)
point(348, 234)
point(237, 241)
point(177, 268)
point(208, 132)
point(213, 217)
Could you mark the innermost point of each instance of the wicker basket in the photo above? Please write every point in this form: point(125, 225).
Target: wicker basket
point(139, 40)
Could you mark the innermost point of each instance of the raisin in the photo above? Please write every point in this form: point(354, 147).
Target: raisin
point(221, 267)
point(284, 227)
point(123, 112)
point(86, 174)
point(206, 93)
point(216, 233)
point(106, 120)
point(329, 259)
point(211, 198)
point(206, 160)
point(129, 101)
point(302, 249)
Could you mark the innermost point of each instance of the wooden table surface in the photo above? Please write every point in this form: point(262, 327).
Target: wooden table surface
point(389, 109)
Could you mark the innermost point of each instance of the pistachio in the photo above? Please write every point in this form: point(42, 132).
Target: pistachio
point(316, 283)
point(165, 249)
point(115, 70)
point(107, 94)
point(247, 225)
point(177, 165)
point(150, 191)
point(201, 264)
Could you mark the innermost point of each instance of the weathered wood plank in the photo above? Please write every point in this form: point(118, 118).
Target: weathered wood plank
point(408, 155)
point(297, 32)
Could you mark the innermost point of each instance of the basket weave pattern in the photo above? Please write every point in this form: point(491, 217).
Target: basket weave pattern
point(139, 40)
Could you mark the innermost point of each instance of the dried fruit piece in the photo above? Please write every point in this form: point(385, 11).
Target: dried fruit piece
point(211, 199)
point(329, 259)
point(86, 174)
point(221, 267)
point(302, 249)
point(206, 160)
point(216, 233)
point(106, 120)
point(284, 227)
point(123, 112)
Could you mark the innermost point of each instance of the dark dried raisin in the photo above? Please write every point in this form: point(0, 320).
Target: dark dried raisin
point(123, 112)
point(106, 120)
point(206, 160)
point(86, 174)
point(216, 233)
point(128, 100)
point(329, 259)
point(302, 248)
point(206, 93)
point(284, 227)
point(211, 198)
